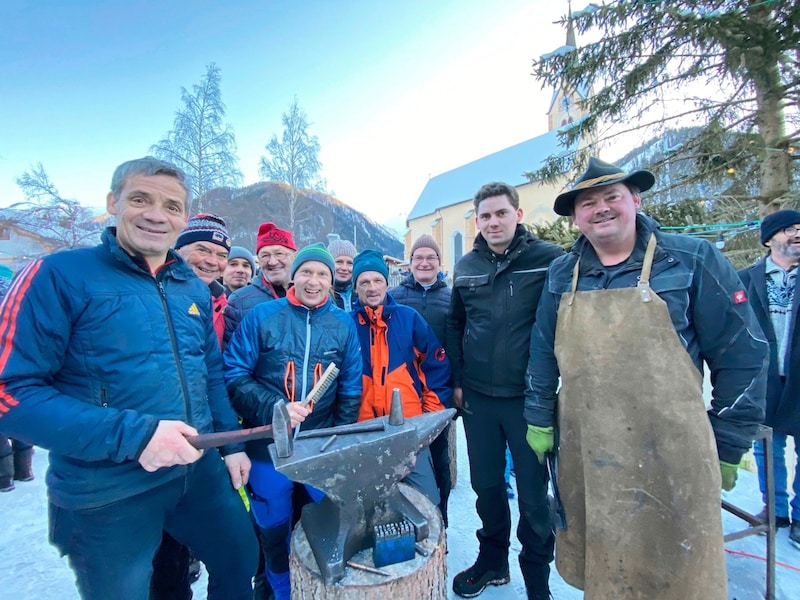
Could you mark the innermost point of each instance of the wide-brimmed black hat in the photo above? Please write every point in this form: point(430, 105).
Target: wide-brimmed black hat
point(599, 174)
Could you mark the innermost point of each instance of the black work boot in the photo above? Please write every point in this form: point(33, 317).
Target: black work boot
point(471, 582)
point(6, 473)
point(22, 465)
point(536, 580)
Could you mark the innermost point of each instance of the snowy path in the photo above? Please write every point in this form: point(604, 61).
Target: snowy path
point(31, 568)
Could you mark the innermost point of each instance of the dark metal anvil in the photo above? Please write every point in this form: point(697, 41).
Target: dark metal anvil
point(359, 473)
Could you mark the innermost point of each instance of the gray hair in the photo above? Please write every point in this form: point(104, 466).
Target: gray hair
point(149, 166)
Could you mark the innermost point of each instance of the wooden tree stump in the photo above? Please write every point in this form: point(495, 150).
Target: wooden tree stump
point(421, 577)
point(452, 443)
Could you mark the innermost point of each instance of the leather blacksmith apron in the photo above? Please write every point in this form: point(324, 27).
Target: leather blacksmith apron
point(638, 466)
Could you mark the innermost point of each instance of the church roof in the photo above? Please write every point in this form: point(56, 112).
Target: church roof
point(508, 165)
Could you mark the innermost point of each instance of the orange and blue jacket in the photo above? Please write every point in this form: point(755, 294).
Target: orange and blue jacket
point(400, 350)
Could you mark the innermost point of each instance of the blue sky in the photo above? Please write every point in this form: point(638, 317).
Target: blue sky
point(396, 92)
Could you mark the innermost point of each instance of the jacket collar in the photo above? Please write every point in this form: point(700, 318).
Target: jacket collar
point(291, 297)
point(174, 264)
point(412, 283)
point(521, 236)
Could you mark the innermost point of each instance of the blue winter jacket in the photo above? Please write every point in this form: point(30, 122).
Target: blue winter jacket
point(710, 313)
point(399, 350)
point(95, 351)
point(278, 353)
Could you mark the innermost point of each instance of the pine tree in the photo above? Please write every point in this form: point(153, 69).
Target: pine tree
point(200, 142)
point(729, 65)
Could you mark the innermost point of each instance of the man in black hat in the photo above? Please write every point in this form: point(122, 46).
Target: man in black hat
point(626, 320)
point(771, 286)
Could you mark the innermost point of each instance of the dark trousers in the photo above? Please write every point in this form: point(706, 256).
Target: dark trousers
point(9, 446)
point(491, 424)
point(170, 580)
point(111, 548)
point(440, 453)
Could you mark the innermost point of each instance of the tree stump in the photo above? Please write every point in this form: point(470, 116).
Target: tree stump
point(452, 450)
point(421, 577)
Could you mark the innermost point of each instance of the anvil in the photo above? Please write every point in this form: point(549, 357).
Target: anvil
point(359, 475)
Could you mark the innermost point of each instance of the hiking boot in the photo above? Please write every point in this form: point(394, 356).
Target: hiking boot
point(473, 581)
point(794, 533)
point(6, 473)
point(780, 522)
point(22, 465)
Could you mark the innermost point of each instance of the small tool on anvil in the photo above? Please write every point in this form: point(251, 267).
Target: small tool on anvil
point(221, 438)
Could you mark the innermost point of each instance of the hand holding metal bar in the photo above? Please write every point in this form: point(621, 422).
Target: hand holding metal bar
point(222, 438)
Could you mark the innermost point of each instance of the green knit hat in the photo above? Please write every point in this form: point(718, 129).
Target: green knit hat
point(316, 252)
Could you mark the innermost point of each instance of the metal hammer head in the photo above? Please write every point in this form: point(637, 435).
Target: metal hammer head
point(282, 431)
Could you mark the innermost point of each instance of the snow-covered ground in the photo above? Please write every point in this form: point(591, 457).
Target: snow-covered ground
point(31, 568)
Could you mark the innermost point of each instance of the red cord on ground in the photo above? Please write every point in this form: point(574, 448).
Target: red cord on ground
point(764, 558)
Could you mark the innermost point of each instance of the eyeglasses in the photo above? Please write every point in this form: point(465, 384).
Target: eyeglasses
point(791, 230)
point(419, 259)
point(280, 256)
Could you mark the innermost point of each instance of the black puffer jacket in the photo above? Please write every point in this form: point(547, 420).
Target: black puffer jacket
point(433, 303)
point(492, 310)
point(243, 300)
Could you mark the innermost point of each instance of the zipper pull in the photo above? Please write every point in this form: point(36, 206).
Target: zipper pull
point(511, 287)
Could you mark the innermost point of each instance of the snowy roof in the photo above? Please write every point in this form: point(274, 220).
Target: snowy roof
point(508, 165)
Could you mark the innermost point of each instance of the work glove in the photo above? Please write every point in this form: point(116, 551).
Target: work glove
point(729, 474)
point(540, 439)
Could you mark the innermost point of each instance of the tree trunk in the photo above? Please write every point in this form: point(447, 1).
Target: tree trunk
point(775, 168)
point(421, 577)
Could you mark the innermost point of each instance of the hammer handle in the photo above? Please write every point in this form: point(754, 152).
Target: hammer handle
point(223, 438)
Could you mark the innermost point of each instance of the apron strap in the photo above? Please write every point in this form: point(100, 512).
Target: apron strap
point(644, 278)
point(574, 281)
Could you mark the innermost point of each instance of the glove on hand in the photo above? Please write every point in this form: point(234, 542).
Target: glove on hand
point(729, 474)
point(540, 439)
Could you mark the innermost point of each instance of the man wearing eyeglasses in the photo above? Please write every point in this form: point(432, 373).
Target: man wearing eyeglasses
point(275, 251)
point(424, 290)
point(771, 288)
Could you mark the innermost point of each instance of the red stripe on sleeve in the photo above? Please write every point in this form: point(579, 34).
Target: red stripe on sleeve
point(8, 325)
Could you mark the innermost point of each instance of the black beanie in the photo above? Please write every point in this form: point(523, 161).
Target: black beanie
point(778, 221)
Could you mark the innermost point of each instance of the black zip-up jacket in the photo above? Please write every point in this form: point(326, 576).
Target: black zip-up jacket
point(492, 311)
point(433, 304)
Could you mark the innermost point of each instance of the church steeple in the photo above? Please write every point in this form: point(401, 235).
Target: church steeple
point(570, 29)
point(565, 106)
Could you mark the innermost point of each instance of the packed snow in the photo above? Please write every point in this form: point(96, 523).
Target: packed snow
point(31, 568)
